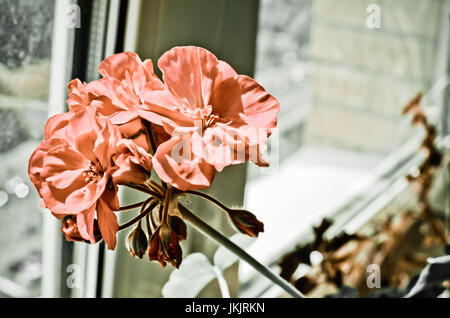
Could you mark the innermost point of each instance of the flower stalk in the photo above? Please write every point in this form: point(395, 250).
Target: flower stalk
point(131, 206)
point(139, 217)
point(219, 238)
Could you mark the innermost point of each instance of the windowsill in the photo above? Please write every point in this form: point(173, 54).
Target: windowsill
point(301, 192)
point(343, 185)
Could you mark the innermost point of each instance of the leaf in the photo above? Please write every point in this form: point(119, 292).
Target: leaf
point(224, 258)
point(431, 278)
point(193, 275)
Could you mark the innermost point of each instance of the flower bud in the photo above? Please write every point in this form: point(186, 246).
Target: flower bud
point(246, 222)
point(70, 230)
point(165, 247)
point(136, 242)
point(178, 226)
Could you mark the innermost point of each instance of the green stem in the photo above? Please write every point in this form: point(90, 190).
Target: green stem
point(144, 189)
point(137, 218)
point(210, 198)
point(131, 206)
point(211, 233)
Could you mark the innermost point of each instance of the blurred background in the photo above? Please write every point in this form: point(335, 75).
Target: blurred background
point(341, 70)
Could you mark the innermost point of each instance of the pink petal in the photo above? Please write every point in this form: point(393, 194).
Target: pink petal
point(259, 107)
point(111, 198)
point(85, 224)
point(55, 199)
point(121, 95)
point(83, 197)
point(36, 163)
point(225, 70)
point(105, 145)
point(189, 72)
point(226, 101)
point(107, 222)
point(78, 95)
point(123, 117)
point(162, 106)
point(133, 162)
point(61, 158)
point(79, 199)
point(55, 125)
point(222, 146)
point(131, 129)
point(183, 174)
point(128, 67)
point(66, 179)
point(81, 133)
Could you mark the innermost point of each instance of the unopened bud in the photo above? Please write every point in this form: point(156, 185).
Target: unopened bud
point(136, 242)
point(246, 222)
point(70, 230)
point(165, 247)
point(178, 226)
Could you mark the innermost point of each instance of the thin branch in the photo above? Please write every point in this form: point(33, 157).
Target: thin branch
point(137, 218)
point(147, 222)
point(209, 198)
point(166, 205)
point(211, 233)
point(131, 206)
point(144, 189)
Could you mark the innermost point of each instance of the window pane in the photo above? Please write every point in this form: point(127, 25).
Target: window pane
point(25, 38)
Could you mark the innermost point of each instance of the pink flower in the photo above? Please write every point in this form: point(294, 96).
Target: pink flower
point(224, 117)
point(124, 78)
point(73, 170)
point(134, 163)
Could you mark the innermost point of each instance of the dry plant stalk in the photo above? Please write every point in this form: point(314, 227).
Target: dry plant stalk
point(423, 181)
point(346, 257)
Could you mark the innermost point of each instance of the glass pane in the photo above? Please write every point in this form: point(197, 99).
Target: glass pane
point(342, 80)
point(25, 50)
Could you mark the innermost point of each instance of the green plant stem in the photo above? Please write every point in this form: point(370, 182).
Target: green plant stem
point(145, 190)
point(131, 206)
point(210, 198)
point(216, 236)
point(137, 218)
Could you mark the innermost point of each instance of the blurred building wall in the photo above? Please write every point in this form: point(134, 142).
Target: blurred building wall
point(363, 77)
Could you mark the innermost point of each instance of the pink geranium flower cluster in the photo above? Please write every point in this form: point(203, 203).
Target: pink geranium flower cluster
point(202, 117)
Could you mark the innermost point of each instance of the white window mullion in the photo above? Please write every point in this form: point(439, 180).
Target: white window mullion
point(52, 238)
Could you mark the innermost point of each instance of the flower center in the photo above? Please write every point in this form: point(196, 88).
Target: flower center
point(204, 114)
point(93, 172)
point(209, 120)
